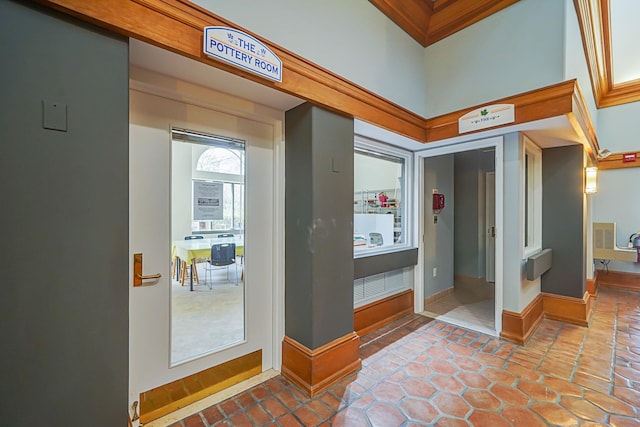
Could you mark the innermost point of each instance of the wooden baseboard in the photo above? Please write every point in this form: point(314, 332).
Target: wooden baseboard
point(378, 313)
point(618, 279)
point(568, 309)
point(437, 296)
point(315, 370)
point(167, 398)
point(592, 285)
point(518, 327)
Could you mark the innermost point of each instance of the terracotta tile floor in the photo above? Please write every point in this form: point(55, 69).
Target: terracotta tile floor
point(419, 371)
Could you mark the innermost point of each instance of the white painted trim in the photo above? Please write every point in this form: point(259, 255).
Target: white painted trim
point(278, 243)
point(497, 142)
point(418, 233)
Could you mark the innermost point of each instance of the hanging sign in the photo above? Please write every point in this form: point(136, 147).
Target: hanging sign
point(486, 117)
point(242, 50)
point(207, 200)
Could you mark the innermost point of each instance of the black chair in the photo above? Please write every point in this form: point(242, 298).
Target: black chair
point(225, 235)
point(222, 255)
point(192, 237)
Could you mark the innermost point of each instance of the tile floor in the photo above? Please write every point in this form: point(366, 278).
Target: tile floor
point(419, 371)
point(472, 302)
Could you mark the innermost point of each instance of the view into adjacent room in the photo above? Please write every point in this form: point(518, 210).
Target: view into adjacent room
point(459, 238)
point(207, 229)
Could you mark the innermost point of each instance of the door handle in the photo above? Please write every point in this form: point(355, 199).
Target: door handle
point(137, 272)
point(493, 232)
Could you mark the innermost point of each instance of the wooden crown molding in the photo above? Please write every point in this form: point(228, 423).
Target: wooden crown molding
point(551, 101)
point(614, 161)
point(412, 16)
point(451, 16)
point(593, 18)
point(177, 26)
point(429, 21)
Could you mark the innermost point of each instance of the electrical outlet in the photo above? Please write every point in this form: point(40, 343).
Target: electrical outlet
point(435, 271)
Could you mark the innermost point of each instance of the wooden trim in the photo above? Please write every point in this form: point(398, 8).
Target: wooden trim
point(449, 17)
point(619, 279)
point(614, 161)
point(568, 309)
point(378, 313)
point(438, 296)
point(518, 327)
point(412, 16)
point(177, 26)
point(592, 285)
point(597, 48)
point(316, 370)
point(167, 398)
point(551, 101)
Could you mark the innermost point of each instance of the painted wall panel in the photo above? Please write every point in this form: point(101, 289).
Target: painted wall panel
point(64, 322)
point(515, 50)
point(438, 238)
point(351, 38)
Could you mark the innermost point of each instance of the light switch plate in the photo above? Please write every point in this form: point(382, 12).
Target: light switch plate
point(54, 115)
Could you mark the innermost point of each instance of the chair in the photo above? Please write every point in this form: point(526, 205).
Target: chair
point(225, 235)
point(183, 264)
point(222, 255)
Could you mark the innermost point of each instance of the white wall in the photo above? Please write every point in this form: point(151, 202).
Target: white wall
point(617, 198)
point(515, 50)
point(351, 38)
point(376, 174)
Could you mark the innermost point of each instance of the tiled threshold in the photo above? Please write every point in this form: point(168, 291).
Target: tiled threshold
point(422, 372)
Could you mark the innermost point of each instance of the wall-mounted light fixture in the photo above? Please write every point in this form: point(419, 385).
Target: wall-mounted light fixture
point(591, 185)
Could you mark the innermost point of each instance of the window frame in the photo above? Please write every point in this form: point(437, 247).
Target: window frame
point(531, 185)
point(366, 144)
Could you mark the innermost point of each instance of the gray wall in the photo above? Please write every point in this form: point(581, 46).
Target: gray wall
point(563, 222)
point(318, 225)
point(438, 238)
point(64, 305)
point(469, 216)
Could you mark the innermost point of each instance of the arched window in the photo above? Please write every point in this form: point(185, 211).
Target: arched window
point(223, 160)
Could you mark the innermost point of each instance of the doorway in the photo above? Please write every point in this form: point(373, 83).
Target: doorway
point(462, 280)
point(160, 210)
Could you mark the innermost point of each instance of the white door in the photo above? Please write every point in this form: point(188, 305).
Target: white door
point(150, 339)
point(490, 228)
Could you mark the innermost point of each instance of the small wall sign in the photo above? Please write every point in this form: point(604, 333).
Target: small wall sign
point(486, 117)
point(243, 51)
point(629, 157)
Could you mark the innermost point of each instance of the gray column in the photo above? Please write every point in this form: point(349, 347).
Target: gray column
point(64, 177)
point(563, 220)
point(319, 226)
